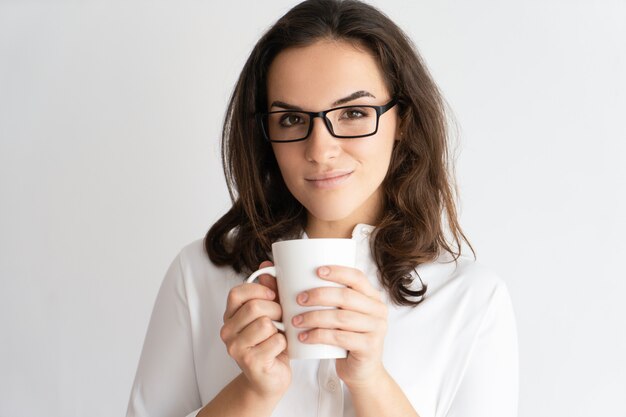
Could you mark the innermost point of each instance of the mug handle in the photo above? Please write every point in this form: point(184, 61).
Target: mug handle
point(271, 270)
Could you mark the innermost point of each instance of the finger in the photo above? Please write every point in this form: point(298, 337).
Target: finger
point(351, 341)
point(251, 311)
point(256, 332)
point(350, 277)
point(345, 298)
point(338, 319)
point(243, 293)
point(270, 348)
point(268, 280)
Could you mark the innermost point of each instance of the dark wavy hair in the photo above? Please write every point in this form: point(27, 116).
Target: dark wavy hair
point(419, 218)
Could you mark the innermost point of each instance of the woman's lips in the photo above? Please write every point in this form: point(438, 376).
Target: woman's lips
point(329, 180)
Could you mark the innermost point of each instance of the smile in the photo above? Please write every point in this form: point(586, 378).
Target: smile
point(329, 180)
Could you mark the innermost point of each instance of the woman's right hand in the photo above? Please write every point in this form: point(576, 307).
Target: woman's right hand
point(251, 338)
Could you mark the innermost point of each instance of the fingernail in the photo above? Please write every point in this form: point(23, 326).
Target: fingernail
point(303, 336)
point(324, 271)
point(271, 294)
point(303, 297)
point(297, 320)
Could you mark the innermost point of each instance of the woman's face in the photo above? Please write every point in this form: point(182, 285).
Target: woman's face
point(336, 180)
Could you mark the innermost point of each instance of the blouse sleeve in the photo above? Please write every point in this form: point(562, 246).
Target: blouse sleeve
point(489, 387)
point(165, 384)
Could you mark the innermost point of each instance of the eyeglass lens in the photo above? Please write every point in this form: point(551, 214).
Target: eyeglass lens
point(350, 121)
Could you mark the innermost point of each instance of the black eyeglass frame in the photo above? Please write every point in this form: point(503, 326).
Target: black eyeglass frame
point(380, 110)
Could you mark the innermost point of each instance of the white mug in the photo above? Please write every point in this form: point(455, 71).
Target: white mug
point(295, 268)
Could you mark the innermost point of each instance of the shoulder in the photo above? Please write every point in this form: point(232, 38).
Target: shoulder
point(195, 264)
point(464, 270)
point(194, 252)
point(463, 282)
point(475, 275)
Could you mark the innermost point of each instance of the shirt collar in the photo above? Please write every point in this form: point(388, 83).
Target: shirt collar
point(360, 232)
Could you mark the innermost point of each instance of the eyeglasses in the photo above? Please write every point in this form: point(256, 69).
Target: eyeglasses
point(354, 121)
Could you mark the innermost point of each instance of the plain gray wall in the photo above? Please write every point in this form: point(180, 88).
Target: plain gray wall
point(110, 115)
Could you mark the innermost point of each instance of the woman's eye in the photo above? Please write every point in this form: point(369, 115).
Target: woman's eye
point(354, 113)
point(291, 119)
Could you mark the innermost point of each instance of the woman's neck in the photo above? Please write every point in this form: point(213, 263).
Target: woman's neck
point(329, 229)
point(343, 228)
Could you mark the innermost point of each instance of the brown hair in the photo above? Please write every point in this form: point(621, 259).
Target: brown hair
point(418, 207)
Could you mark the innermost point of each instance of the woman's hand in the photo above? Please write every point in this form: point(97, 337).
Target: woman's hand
point(251, 338)
point(359, 325)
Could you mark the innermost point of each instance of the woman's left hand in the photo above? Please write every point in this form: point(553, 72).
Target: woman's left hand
point(359, 324)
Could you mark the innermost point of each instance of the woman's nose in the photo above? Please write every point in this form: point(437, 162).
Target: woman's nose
point(321, 146)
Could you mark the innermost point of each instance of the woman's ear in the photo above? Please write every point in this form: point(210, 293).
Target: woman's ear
point(399, 129)
point(400, 125)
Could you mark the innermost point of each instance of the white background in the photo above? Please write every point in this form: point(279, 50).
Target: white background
point(110, 116)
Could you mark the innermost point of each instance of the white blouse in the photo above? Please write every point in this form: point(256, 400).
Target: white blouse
point(454, 355)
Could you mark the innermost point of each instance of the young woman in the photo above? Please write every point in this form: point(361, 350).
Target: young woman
point(334, 129)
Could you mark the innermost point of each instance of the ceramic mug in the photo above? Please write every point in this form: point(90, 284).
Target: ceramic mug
point(295, 268)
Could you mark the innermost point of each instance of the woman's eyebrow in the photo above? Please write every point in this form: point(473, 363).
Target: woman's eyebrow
point(353, 96)
point(284, 105)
